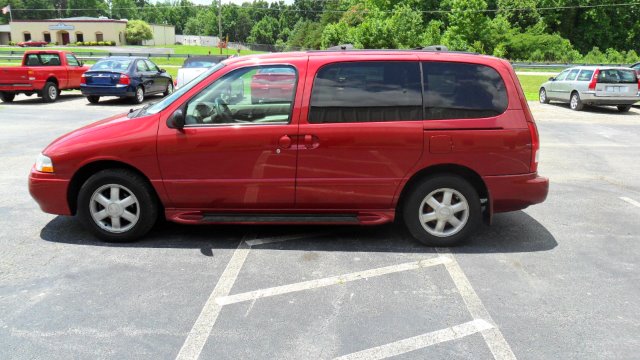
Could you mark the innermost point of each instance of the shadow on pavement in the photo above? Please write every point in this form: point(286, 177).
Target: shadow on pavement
point(511, 232)
point(35, 100)
point(597, 109)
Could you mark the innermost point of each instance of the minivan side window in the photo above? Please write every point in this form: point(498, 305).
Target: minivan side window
point(257, 95)
point(585, 75)
point(462, 91)
point(572, 74)
point(366, 91)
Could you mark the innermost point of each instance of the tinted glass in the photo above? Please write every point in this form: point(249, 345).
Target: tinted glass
point(461, 91)
point(572, 74)
point(366, 92)
point(43, 60)
point(112, 65)
point(617, 76)
point(585, 75)
point(238, 98)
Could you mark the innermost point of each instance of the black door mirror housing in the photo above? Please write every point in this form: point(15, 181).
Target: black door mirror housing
point(176, 120)
point(553, 78)
point(163, 71)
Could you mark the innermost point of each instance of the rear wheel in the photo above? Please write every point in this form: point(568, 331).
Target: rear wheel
point(138, 98)
point(624, 108)
point(442, 211)
point(575, 103)
point(93, 99)
point(50, 92)
point(117, 205)
point(543, 96)
point(7, 96)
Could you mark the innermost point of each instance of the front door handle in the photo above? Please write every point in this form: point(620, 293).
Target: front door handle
point(284, 141)
point(311, 141)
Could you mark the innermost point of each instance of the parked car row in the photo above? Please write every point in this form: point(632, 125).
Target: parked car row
point(47, 72)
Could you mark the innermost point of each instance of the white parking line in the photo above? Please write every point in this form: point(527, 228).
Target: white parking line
point(492, 336)
point(200, 331)
point(276, 239)
point(418, 342)
point(334, 280)
point(630, 201)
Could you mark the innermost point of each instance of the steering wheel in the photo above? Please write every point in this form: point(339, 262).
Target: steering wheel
point(222, 109)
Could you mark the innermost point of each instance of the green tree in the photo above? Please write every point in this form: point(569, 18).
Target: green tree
point(137, 31)
point(264, 31)
point(466, 24)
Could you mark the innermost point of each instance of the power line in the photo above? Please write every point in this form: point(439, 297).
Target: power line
point(287, 9)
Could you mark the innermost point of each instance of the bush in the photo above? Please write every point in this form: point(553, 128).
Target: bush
point(100, 43)
point(12, 43)
point(540, 47)
point(137, 31)
point(79, 43)
point(112, 43)
point(94, 43)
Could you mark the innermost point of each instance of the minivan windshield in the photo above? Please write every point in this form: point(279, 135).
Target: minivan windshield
point(161, 105)
point(617, 76)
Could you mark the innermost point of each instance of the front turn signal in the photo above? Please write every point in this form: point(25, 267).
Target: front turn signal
point(44, 164)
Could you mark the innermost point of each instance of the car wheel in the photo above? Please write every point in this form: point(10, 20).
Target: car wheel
point(50, 92)
point(169, 89)
point(7, 96)
point(624, 108)
point(442, 211)
point(93, 99)
point(543, 96)
point(575, 103)
point(117, 205)
point(138, 98)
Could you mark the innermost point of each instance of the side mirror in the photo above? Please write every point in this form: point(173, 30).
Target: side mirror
point(176, 120)
point(553, 78)
point(81, 63)
point(163, 71)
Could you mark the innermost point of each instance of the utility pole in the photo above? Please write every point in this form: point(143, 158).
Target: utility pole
point(220, 25)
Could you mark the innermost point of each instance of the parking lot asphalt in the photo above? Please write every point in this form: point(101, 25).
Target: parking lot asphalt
point(558, 280)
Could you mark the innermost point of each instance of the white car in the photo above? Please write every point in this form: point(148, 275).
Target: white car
point(195, 66)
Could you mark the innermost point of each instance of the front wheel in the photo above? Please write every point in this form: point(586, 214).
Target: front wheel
point(169, 89)
point(575, 103)
point(543, 96)
point(50, 92)
point(7, 96)
point(442, 211)
point(117, 205)
point(624, 108)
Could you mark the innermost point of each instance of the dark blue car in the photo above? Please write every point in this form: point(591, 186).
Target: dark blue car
point(130, 77)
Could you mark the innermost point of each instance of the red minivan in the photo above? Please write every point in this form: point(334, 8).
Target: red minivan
point(441, 140)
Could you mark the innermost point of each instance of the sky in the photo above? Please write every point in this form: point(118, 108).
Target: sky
point(208, 2)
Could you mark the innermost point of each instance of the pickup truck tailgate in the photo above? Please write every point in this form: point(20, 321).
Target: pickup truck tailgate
point(14, 77)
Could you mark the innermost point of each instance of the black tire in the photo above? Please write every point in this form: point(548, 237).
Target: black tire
point(576, 105)
point(169, 89)
point(624, 108)
point(434, 185)
point(542, 96)
point(138, 98)
point(7, 96)
point(129, 183)
point(50, 92)
point(93, 99)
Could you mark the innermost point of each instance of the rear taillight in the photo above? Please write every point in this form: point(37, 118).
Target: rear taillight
point(124, 80)
point(535, 146)
point(594, 80)
point(83, 79)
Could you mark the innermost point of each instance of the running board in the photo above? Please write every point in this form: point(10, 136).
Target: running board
point(280, 218)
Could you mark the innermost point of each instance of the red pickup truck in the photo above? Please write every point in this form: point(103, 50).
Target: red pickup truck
point(43, 72)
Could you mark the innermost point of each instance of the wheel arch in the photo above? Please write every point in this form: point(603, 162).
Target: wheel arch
point(452, 169)
point(87, 170)
point(53, 79)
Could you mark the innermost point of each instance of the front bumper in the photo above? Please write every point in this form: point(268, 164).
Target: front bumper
point(590, 97)
point(516, 192)
point(49, 192)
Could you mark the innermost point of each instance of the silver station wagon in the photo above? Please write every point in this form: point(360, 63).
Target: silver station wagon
point(593, 85)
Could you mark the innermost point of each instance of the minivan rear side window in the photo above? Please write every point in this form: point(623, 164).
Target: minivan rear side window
point(366, 92)
point(462, 91)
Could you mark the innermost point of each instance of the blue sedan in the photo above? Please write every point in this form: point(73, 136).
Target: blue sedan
point(125, 77)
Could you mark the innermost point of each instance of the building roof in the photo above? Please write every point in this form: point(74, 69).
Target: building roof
point(79, 19)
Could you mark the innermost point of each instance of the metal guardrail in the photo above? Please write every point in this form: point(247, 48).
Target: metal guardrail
point(531, 65)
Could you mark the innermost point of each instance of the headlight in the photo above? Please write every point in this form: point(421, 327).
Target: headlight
point(44, 164)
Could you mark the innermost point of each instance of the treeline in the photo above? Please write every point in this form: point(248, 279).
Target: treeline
point(527, 30)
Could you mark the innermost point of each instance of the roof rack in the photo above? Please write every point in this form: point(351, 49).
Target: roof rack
point(342, 47)
point(431, 48)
